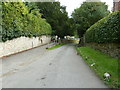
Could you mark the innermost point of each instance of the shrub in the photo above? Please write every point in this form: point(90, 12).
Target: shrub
point(18, 21)
point(107, 30)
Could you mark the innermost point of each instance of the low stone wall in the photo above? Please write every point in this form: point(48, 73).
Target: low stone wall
point(111, 49)
point(22, 44)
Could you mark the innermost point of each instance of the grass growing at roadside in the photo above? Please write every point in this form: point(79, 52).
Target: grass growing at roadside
point(103, 64)
point(56, 46)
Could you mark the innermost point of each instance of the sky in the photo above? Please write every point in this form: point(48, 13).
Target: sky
point(72, 4)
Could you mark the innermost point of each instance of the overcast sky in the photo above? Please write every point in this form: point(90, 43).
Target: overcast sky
point(72, 4)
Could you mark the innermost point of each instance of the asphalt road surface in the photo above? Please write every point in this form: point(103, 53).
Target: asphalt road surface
point(41, 68)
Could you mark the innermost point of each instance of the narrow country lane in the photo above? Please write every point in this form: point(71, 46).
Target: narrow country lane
point(41, 68)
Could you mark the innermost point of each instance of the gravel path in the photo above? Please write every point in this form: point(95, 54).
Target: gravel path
point(41, 68)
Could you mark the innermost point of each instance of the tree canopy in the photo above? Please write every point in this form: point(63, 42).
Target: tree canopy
point(57, 16)
point(88, 14)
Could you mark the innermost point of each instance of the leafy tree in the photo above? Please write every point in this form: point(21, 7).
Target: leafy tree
point(56, 15)
point(88, 14)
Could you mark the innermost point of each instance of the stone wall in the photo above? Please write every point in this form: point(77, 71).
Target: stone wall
point(116, 5)
point(22, 44)
point(111, 49)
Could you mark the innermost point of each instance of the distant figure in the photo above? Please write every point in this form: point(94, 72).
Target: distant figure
point(56, 39)
point(59, 40)
point(65, 37)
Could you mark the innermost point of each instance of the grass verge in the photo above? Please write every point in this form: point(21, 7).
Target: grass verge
point(103, 64)
point(56, 46)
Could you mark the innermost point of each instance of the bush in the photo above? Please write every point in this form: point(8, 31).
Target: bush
point(106, 30)
point(18, 20)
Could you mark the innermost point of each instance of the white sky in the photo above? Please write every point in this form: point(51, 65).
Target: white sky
point(72, 4)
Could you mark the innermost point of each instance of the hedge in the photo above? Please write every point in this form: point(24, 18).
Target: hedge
point(107, 30)
point(0, 13)
point(18, 20)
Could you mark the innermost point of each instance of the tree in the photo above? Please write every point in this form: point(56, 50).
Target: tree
point(88, 14)
point(56, 15)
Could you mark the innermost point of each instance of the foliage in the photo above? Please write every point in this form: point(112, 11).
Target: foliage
point(106, 30)
point(56, 15)
point(103, 64)
point(88, 14)
point(0, 20)
point(18, 21)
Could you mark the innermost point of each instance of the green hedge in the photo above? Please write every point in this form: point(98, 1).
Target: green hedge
point(0, 21)
point(107, 30)
point(18, 20)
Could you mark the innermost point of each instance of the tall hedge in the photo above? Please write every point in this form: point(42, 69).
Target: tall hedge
point(107, 30)
point(18, 20)
point(0, 21)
